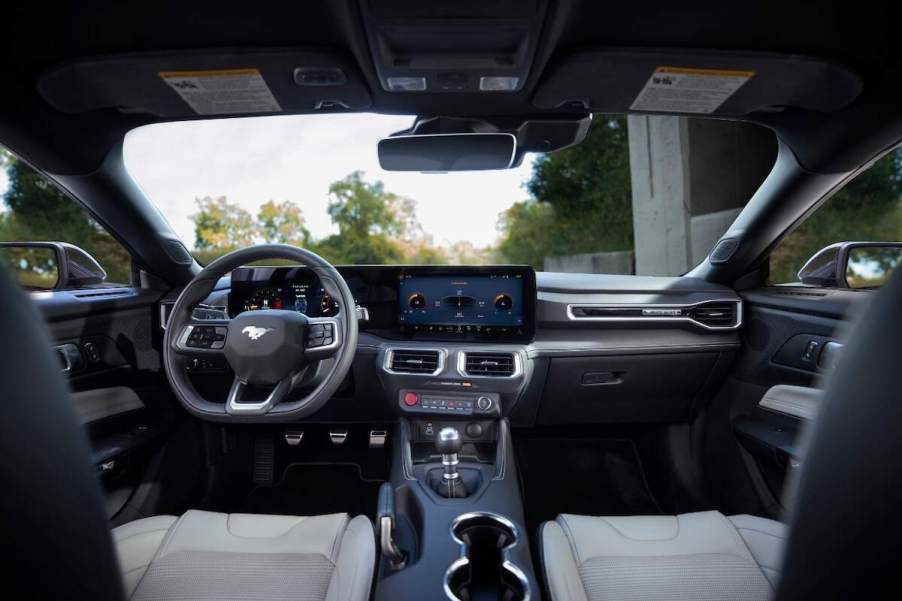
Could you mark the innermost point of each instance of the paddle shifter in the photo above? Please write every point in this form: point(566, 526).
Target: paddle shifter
point(448, 442)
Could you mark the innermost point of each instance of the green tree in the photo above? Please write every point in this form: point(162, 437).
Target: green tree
point(37, 210)
point(283, 223)
point(369, 220)
point(580, 200)
point(220, 225)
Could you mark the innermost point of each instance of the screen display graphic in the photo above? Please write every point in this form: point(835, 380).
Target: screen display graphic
point(466, 303)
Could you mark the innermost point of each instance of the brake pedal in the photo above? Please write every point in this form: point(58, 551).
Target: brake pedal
point(338, 435)
point(264, 459)
point(294, 437)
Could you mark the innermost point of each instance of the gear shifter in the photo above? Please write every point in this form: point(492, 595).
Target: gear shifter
point(448, 442)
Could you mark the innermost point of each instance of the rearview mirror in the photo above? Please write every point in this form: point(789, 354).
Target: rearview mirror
point(448, 152)
point(51, 265)
point(852, 265)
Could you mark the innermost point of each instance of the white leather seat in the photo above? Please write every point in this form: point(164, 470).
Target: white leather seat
point(694, 556)
point(204, 555)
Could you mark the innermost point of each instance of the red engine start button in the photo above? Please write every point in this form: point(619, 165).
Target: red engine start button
point(411, 399)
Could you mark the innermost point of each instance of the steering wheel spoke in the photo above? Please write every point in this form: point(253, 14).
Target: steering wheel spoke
point(242, 400)
point(324, 338)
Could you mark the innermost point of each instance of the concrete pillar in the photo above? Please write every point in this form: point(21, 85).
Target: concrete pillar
point(690, 178)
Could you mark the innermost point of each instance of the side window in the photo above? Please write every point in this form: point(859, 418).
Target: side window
point(853, 240)
point(34, 210)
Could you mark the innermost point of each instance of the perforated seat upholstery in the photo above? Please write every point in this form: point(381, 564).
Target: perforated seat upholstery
point(694, 556)
point(205, 555)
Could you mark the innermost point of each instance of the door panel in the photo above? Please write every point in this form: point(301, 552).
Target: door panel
point(108, 342)
point(791, 337)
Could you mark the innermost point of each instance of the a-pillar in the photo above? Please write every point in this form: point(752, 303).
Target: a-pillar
point(690, 178)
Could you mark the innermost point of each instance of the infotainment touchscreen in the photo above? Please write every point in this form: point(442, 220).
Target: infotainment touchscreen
point(463, 303)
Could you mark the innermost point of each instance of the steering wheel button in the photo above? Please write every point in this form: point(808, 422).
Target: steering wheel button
point(411, 399)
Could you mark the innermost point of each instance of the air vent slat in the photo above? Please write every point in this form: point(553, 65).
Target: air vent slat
point(500, 365)
point(414, 361)
point(721, 315)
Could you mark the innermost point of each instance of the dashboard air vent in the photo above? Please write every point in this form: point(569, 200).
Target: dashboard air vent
point(715, 315)
point(499, 365)
point(414, 361)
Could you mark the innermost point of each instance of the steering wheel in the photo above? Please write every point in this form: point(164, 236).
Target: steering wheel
point(270, 351)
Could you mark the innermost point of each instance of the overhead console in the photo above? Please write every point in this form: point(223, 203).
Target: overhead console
point(468, 46)
point(416, 303)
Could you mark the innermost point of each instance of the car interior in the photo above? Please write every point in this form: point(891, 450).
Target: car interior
point(271, 424)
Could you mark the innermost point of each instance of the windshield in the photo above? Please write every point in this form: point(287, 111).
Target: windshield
point(315, 181)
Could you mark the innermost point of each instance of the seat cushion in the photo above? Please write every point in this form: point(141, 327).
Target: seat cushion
point(205, 555)
point(695, 556)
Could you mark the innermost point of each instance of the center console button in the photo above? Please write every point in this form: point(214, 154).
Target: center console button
point(411, 399)
point(484, 403)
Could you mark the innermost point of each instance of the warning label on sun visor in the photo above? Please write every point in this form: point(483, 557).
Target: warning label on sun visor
point(680, 90)
point(223, 92)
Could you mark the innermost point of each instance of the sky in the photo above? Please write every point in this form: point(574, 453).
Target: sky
point(253, 160)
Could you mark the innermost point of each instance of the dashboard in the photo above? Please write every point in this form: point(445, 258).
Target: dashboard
point(409, 302)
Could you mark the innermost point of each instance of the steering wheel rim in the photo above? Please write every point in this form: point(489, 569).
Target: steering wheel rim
point(277, 407)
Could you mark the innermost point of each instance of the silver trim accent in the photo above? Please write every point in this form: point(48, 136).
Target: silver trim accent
point(60, 349)
point(389, 549)
point(462, 364)
point(830, 354)
point(294, 437)
point(506, 563)
point(164, 318)
point(735, 326)
point(390, 353)
point(377, 438)
point(338, 436)
point(235, 407)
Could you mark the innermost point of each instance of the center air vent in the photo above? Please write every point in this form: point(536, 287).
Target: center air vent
point(496, 365)
point(715, 315)
point(409, 361)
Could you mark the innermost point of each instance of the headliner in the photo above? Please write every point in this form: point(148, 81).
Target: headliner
point(38, 37)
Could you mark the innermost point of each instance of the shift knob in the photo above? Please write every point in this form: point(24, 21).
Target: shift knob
point(448, 441)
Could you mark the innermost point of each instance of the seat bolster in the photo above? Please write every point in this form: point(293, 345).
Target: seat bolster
point(559, 563)
point(765, 539)
point(136, 545)
point(356, 557)
point(246, 533)
point(658, 535)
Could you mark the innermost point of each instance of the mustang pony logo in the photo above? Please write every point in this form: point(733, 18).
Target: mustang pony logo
point(254, 332)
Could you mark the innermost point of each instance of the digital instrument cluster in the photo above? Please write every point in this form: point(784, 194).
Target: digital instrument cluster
point(302, 293)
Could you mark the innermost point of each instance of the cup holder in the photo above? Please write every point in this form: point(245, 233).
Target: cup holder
point(484, 570)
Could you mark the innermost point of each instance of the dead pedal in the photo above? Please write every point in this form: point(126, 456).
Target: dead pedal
point(264, 459)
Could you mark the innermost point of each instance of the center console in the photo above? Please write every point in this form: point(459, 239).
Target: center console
point(451, 519)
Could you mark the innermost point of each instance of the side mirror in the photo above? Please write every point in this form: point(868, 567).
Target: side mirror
point(51, 265)
point(857, 265)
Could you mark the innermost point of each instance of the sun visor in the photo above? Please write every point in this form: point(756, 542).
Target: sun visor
point(724, 84)
point(207, 83)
